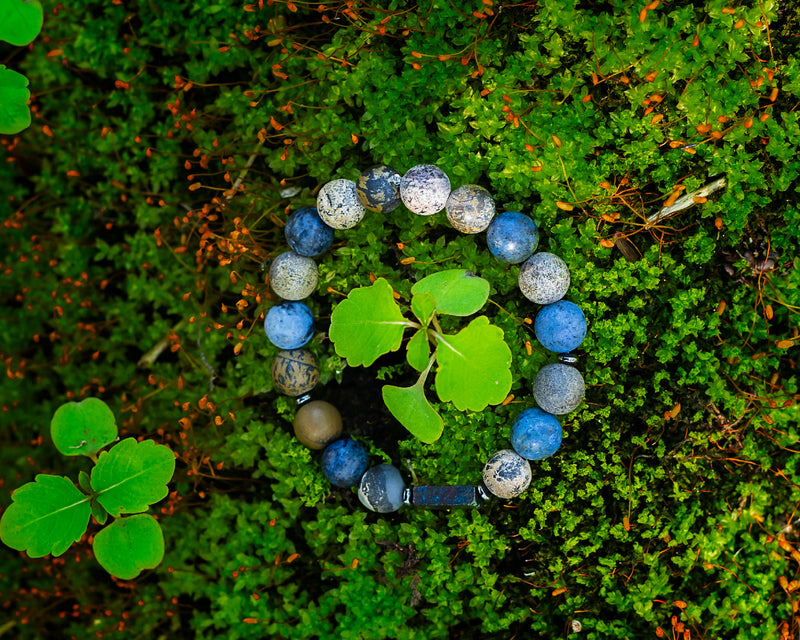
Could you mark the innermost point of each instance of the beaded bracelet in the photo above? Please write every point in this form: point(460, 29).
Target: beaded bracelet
point(512, 237)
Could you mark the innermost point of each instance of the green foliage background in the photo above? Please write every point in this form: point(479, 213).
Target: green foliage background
point(122, 235)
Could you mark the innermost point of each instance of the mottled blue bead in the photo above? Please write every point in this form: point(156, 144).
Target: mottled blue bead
point(424, 189)
point(507, 474)
point(289, 325)
point(307, 234)
point(560, 327)
point(344, 462)
point(381, 489)
point(558, 388)
point(378, 189)
point(536, 434)
point(512, 237)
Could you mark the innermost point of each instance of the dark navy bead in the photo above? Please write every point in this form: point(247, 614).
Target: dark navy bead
point(438, 497)
point(378, 188)
point(381, 489)
point(307, 234)
point(560, 327)
point(344, 462)
point(536, 434)
point(512, 237)
point(289, 325)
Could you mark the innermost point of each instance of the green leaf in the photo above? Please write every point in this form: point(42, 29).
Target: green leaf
point(132, 476)
point(424, 306)
point(412, 409)
point(367, 324)
point(46, 516)
point(419, 351)
point(458, 292)
point(22, 21)
point(84, 483)
point(14, 95)
point(83, 428)
point(474, 366)
point(129, 545)
point(98, 513)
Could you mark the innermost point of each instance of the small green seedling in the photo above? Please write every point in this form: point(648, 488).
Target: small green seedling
point(49, 514)
point(474, 365)
point(21, 22)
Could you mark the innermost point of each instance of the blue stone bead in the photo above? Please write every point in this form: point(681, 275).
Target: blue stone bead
point(536, 434)
point(560, 327)
point(558, 388)
point(381, 489)
point(289, 325)
point(344, 462)
point(512, 237)
point(507, 474)
point(307, 234)
point(378, 189)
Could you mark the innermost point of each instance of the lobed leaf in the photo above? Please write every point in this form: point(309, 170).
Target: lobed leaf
point(46, 516)
point(457, 292)
point(132, 476)
point(14, 95)
point(129, 545)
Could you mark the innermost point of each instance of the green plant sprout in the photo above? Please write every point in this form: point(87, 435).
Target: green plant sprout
point(474, 364)
point(22, 21)
point(49, 514)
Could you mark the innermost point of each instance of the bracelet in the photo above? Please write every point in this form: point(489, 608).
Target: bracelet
point(512, 237)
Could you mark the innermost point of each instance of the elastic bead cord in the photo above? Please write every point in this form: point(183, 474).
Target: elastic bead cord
point(512, 237)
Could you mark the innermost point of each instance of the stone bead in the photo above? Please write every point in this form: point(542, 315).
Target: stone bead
point(558, 388)
point(424, 189)
point(470, 209)
point(295, 372)
point(378, 189)
point(292, 276)
point(536, 434)
point(344, 462)
point(317, 424)
point(289, 325)
point(381, 489)
point(307, 234)
point(560, 327)
point(544, 278)
point(507, 474)
point(512, 237)
point(338, 205)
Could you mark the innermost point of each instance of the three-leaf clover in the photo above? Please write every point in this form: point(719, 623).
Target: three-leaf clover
point(49, 514)
point(474, 365)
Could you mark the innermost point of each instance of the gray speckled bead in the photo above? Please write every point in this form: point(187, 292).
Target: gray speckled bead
point(338, 205)
point(292, 276)
point(507, 474)
point(382, 489)
point(295, 372)
point(425, 189)
point(470, 209)
point(558, 388)
point(378, 189)
point(544, 278)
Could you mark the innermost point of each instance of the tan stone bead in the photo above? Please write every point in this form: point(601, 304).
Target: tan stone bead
point(317, 424)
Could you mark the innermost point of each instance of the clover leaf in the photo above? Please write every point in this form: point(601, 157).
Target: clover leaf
point(457, 292)
point(129, 545)
point(83, 428)
point(368, 324)
point(46, 516)
point(132, 476)
point(474, 366)
point(22, 21)
point(14, 95)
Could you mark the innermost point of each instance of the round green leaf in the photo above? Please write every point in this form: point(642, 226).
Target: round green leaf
point(46, 516)
point(128, 546)
point(474, 366)
point(457, 292)
point(22, 21)
point(132, 476)
point(83, 428)
point(412, 409)
point(14, 95)
point(419, 351)
point(367, 324)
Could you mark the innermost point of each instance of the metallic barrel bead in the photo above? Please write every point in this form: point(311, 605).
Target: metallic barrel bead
point(441, 497)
